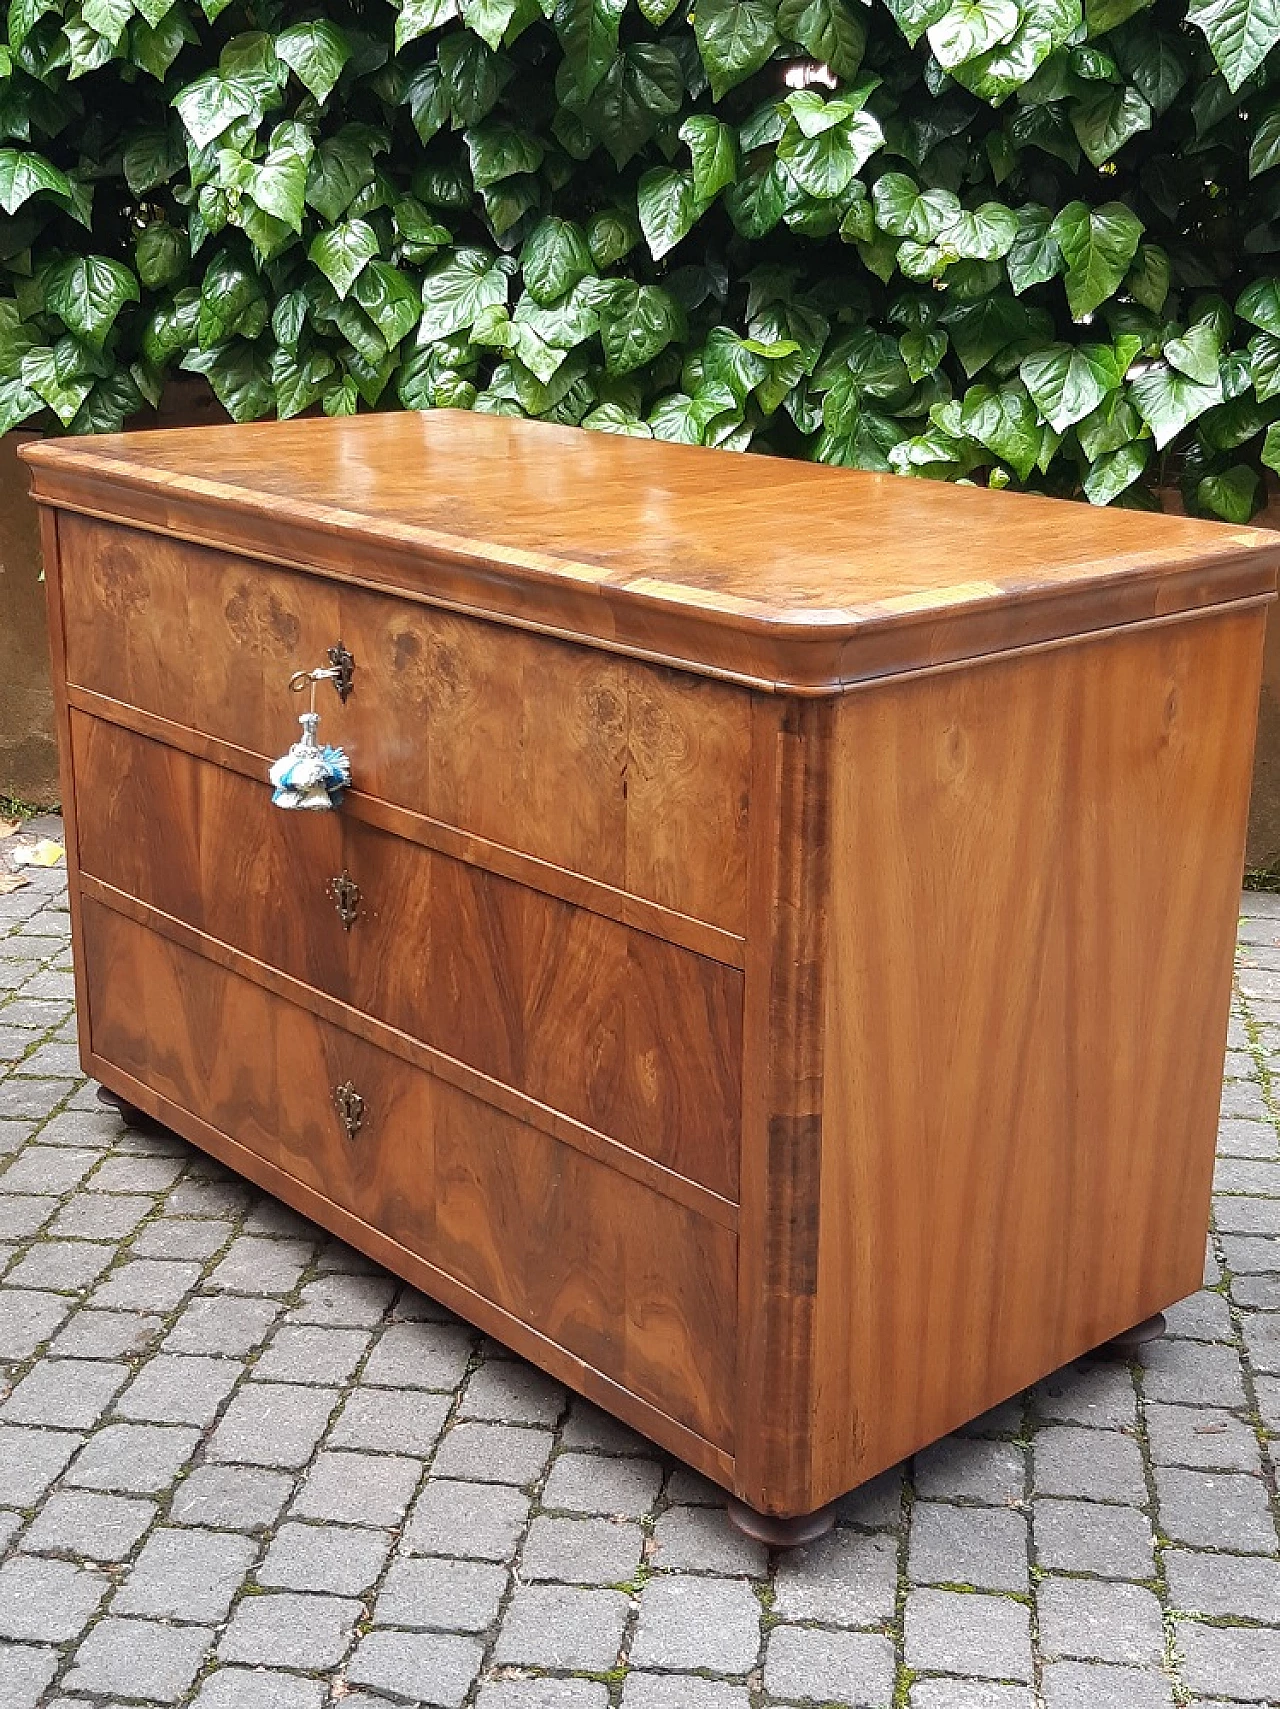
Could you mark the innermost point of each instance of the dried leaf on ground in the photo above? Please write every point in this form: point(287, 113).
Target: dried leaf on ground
point(8, 827)
point(12, 881)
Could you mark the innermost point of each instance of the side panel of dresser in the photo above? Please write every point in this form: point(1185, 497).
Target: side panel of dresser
point(675, 1314)
point(1036, 869)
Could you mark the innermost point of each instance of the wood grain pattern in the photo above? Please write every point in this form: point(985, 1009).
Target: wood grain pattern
point(637, 1038)
point(1036, 871)
point(632, 1284)
point(770, 569)
point(558, 749)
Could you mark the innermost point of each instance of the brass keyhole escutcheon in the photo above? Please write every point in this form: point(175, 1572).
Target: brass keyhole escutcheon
point(350, 1107)
point(346, 895)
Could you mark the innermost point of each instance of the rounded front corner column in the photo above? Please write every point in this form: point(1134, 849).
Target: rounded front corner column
point(776, 1532)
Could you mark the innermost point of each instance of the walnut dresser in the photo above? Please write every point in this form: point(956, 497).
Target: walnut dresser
point(771, 968)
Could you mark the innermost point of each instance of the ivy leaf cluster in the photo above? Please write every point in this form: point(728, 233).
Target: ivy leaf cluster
point(1031, 243)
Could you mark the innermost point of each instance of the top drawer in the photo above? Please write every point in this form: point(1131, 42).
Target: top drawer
point(629, 774)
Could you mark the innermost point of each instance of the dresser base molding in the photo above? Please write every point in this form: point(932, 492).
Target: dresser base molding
point(556, 1360)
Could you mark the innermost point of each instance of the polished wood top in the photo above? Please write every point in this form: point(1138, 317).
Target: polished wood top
point(766, 569)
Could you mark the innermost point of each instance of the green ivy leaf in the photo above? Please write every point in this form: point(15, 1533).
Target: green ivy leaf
point(735, 38)
point(643, 86)
point(473, 76)
point(1097, 245)
point(87, 293)
point(1259, 304)
point(823, 161)
point(23, 175)
point(638, 322)
point(1113, 424)
point(299, 383)
point(668, 207)
point(342, 252)
point(389, 298)
point(981, 234)
point(1240, 33)
point(1169, 401)
point(970, 27)
point(155, 47)
point(554, 258)
point(231, 301)
point(831, 30)
point(715, 154)
point(1069, 381)
point(914, 17)
point(455, 292)
point(1115, 472)
point(1147, 281)
point(420, 17)
point(1196, 353)
point(498, 150)
point(316, 53)
point(213, 102)
point(340, 169)
point(1034, 257)
point(611, 234)
point(1271, 447)
point(160, 254)
point(1005, 422)
point(1264, 365)
point(108, 18)
point(489, 19)
point(1106, 121)
point(1232, 495)
point(612, 418)
point(922, 350)
point(588, 32)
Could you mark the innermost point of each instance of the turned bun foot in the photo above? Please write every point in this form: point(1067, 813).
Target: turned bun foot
point(1129, 1341)
point(129, 1113)
point(780, 1533)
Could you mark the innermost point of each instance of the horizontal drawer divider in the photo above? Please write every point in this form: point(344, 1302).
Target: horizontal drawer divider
point(657, 921)
point(438, 1284)
point(588, 1140)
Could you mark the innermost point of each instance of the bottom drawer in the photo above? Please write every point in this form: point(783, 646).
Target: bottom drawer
point(635, 1285)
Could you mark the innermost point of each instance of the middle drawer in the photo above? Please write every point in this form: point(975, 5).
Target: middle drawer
point(636, 1037)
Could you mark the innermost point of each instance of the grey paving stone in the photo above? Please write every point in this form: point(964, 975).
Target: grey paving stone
point(1202, 1438)
point(186, 1575)
point(701, 1539)
point(272, 1424)
point(243, 1688)
point(420, 1356)
point(62, 1266)
point(358, 1301)
point(873, 1506)
point(968, 1694)
point(256, 1265)
point(31, 1460)
point(43, 1601)
point(984, 1636)
point(581, 1551)
point(72, 1393)
point(1267, 1390)
point(13, 1135)
point(1242, 1136)
point(553, 1694)
point(25, 1671)
point(510, 1392)
point(1247, 1175)
point(961, 1468)
point(1190, 1373)
point(14, 1044)
point(595, 1432)
point(492, 1453)
point(697, 1623)
point(666, 1691)
point(846, 1578)
point(181, 1237)
point(223, 1323)
point(1237, 1586)
point(147, 1284)
point(24, 1214)
point(1088, 1537)
point(390, 1422)
point(687, 1488)
point(95, 1129)
point(981, 1546)
point(358, 1489)
point(471, 1521)
point(1085, 1620)
point(1099, 1465)
point(138, 1459)
point(830, 1667)
point(33, 1098)
point(47, 1169)
point(1242, 1099)
point(179, 1389)
point(425, 1667)
point(234, 1498)
point(342, 1559)
point(195, 1196)
point(123, 1655)
point(305, 1353)
point(1101, 1395)
point(10, 1525)
point(1217, 1510)
point(93, 1216)
point(27, 1319)
point(444, 1596)
point(53, 1057)
point(96, 1527)
point(137, 1174)
point(596, 1483)
point(1077, 1685)
point(280, 1629)
point(563, 1627)
point(1262, 1341)
point(38, 1014)
point(1246, 1216)
point(1251, 1254)
point(1232, 1661)
point(106, 1334)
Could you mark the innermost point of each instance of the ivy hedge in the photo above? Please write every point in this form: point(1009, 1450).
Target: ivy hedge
point(1027, 242)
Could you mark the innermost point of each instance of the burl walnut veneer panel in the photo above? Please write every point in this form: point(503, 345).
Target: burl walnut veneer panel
point(789, 988)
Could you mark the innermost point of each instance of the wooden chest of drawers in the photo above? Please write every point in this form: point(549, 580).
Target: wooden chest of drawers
point(780, 930)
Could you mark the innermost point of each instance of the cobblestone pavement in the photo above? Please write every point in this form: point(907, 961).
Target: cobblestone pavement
point(240, 1467)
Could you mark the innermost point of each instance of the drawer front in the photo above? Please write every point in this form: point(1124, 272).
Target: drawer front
point(634, 1036)
point(640, 1288)
point(630, 774)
